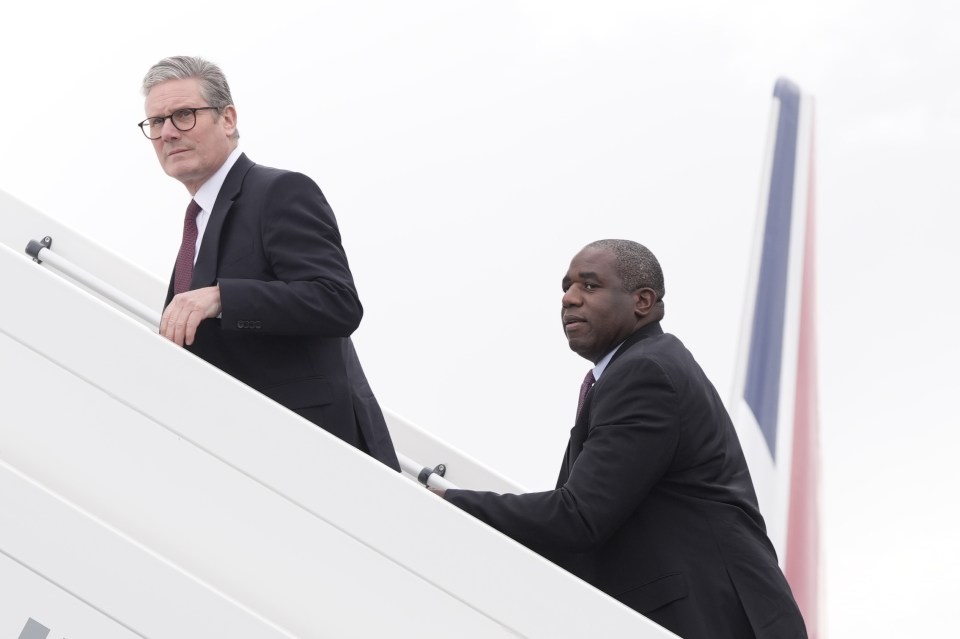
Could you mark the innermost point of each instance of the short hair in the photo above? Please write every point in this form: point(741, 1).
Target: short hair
point(637, 266)
point(213, 83)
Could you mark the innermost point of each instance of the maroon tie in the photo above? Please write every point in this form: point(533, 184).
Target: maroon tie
point(584, 387)
point(183, 271)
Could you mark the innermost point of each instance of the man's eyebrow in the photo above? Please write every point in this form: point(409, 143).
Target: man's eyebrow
point(583, 275)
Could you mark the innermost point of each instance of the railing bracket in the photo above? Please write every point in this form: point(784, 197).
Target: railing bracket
point(34, 247)
point(424, 476)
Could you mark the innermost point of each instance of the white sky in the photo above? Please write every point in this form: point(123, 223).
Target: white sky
point(469, 149)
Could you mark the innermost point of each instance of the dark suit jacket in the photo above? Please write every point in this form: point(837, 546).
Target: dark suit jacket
point(289, 303)
point(654, 504)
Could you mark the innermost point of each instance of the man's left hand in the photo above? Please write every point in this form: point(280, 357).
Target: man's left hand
point(185, 312)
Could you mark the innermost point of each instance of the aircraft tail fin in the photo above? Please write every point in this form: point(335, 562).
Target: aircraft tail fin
point(775, 393)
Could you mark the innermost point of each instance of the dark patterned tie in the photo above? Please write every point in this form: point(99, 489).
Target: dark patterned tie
point(584, 387)
point(183, 271)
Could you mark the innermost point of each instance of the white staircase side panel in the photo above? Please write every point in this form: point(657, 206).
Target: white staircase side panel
point(77, 577)
point(196, 511)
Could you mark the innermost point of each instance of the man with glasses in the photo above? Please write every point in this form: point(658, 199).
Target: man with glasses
point(261, 287)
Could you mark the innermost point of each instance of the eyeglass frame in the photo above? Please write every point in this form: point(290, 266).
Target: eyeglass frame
point(145, 125)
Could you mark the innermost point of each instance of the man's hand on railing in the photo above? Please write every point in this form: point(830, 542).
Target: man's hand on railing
point(438, 491)
point(185, 312)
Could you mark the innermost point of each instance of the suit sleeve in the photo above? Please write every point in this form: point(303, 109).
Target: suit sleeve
point(632, 439)
point(310, 289)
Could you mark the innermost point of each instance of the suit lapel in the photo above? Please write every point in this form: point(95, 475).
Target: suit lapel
point(580, 430)
point(205, 270)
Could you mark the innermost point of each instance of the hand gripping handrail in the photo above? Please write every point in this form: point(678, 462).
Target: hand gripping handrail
point(41, 253)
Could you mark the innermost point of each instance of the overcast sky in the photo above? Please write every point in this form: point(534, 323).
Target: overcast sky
point(469, 149)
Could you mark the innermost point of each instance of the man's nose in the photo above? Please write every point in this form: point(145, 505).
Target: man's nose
point(168, 131)
point(571, 297)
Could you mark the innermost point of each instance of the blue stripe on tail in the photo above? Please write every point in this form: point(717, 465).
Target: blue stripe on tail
point(762, 390)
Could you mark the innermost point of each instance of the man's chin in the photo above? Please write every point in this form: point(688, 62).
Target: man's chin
point(577, 347)
point(178, 172)
point(173, 169)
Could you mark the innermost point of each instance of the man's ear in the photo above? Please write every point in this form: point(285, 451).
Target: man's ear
point(645, 299)
point(229, 116)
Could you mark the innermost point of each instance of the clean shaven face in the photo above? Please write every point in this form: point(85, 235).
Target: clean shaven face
point(190, 156)
point(596, 312)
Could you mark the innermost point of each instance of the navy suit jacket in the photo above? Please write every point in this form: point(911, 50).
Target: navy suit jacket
point(654, 504)
point(289, 304)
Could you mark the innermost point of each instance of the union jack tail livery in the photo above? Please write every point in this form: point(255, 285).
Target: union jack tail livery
point(775, 394)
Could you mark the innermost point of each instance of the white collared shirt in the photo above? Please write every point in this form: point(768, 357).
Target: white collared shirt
point(206, 196)
point(602, 364)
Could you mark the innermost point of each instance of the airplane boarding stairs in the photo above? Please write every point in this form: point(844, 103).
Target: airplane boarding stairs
point(144, 493)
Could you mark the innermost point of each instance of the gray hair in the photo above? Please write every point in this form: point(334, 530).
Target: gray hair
point(637, 267)
point(213, 83)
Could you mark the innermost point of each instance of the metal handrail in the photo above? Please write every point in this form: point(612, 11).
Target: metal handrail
point(41, 253)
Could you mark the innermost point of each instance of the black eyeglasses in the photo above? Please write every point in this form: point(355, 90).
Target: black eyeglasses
point(183, 120)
